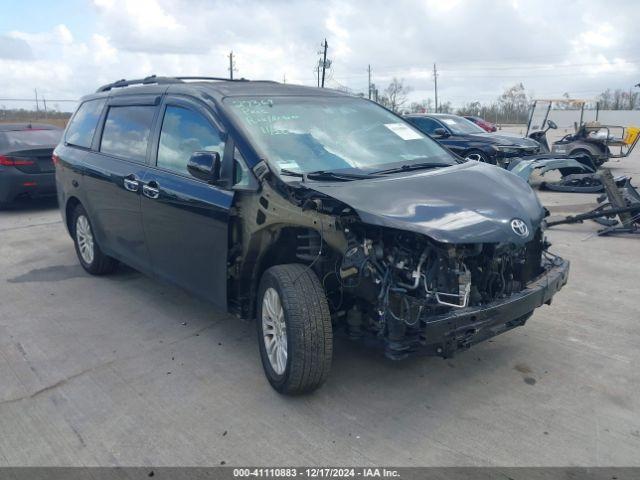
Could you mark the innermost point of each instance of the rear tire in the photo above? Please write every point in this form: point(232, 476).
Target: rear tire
point(293, 315)
point(91, 257)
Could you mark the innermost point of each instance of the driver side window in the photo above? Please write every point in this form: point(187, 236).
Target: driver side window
point(425, 124)
point(183, 132)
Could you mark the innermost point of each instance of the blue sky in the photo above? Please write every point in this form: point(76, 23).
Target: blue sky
point(67, 48)
point(40, 15)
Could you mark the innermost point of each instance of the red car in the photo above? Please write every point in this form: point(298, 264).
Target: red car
point(482, 123)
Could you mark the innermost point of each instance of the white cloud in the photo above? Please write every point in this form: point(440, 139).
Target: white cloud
point(479, 48)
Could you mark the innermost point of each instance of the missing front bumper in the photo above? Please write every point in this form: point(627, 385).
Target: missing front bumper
point(443, 335)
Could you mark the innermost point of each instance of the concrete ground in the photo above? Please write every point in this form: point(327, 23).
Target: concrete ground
point(125, 370)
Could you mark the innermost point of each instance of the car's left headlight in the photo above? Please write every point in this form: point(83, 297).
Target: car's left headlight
point(507, 148)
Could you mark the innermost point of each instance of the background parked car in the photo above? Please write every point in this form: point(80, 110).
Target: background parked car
point(26, 166)
point(482, 123)
point(470, 141)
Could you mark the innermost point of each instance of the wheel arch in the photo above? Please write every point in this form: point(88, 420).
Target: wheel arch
point(72, 203)
point(594, 149)
point(277, 245)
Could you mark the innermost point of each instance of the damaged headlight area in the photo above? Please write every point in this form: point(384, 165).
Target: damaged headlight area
point(394, 282)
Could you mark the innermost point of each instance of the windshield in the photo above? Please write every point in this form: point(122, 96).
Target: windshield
point(308, 134)
point(459, 125)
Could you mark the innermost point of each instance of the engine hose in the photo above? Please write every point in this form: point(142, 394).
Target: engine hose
point(417, 272)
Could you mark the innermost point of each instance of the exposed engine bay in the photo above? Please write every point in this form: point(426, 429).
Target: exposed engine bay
point(381, 283)
point(397, 280)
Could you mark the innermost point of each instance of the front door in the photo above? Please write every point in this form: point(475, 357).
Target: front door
point(186, 219)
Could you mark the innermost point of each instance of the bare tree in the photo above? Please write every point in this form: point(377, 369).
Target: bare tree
point(423, 106)
point(605, 99)
point(471, 108)
point(395, 95)
point(445, 107)
point(514, 102)
point(618, 100)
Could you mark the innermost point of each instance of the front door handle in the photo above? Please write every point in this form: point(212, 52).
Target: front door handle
point(131, 183)
point(151, 190)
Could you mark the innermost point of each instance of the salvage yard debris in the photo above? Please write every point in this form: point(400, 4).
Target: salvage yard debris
point(622, 202)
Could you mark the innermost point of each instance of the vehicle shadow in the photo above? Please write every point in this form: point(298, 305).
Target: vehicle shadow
point(222, 343)
point(358, 370)
point(30, 205)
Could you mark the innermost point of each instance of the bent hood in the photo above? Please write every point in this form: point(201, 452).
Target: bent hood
point(504, 139)
point(468, 203)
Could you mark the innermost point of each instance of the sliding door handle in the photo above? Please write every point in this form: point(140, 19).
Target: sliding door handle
point(131, 183)
point(151, 190)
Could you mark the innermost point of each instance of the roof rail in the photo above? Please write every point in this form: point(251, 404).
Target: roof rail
point(221, 79)
point(150, 80)
point(155, 80)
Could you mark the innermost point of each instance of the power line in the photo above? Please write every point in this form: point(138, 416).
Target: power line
point(506, 59)
point(551, 68)
point(31, 99)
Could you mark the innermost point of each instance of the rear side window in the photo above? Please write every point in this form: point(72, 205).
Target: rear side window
point(126, 132)
point(84, 122)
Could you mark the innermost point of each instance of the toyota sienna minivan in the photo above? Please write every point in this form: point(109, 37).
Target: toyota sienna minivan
point(310, 210)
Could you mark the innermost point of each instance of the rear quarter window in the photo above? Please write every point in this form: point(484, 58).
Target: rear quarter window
point(83, 124)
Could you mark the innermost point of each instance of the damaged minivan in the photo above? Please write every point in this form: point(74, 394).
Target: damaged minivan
point(312, 211)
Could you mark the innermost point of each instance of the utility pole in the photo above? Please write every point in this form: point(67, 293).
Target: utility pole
point(369, 70)
point(324, 61)
point(44, 102)
point(37, 106)
point(435, 82)
point(231, 68)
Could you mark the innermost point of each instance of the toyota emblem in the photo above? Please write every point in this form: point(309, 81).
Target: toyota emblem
point(519, 227)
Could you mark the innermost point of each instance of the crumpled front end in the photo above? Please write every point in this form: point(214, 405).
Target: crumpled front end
point(418, 295)
point(431, 261)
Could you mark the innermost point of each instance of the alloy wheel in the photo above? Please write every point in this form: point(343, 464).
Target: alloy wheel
point(274, 330)
point(84, 237)
point(476, 157)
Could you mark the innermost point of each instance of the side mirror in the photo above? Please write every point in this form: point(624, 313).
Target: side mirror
point(441, 132)
point(205, 166)
point(552, 124)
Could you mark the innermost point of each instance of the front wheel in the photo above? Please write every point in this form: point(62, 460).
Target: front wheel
point(294, 329)
point(477, 156)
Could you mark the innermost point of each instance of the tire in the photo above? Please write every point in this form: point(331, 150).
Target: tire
point(477, 156)
point(95, 263)
point(306, 322)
